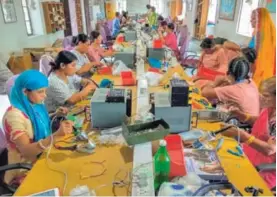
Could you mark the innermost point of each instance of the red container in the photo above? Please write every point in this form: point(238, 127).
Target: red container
point(208, 74)
point(127, 78)
point(175, 150)
point(154, 70)
point(105, 71)
point(126, 74)
point(157, 44)
point(120, 39)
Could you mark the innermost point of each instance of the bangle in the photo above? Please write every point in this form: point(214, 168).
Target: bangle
point(42, 146)
point(250, 140)
point(247, 117)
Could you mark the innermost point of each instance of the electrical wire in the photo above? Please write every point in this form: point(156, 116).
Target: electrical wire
point(47, 159)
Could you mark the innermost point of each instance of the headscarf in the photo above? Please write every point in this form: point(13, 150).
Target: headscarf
point(37, 113)
point(265, 39)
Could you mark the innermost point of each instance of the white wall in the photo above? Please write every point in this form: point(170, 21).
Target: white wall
point(190, 17)
point(227, 29)
point(13, 36)
point(137, 6)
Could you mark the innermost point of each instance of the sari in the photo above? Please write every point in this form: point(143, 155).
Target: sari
point(264, 41)
point(261, 131)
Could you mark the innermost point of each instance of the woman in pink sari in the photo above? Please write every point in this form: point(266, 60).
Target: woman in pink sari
point(260, 145)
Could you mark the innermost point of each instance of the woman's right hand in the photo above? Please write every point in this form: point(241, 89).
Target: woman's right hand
point(66, 127)
point(235, 111)
point(221, 81)
point(89, 87)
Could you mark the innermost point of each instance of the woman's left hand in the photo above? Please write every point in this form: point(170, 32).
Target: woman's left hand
point(235, 132)
point(62, 111)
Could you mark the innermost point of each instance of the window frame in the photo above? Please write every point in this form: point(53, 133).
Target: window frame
point(25, 20)
point(159, 7)
point(121, 7)
point(239, 19)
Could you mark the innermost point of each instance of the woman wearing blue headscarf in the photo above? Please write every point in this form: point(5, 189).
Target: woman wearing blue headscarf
point(27, 123)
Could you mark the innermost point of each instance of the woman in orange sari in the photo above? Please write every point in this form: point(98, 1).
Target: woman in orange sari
point(264, 41)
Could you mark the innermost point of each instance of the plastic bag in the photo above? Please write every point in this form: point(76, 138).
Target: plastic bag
point(144, 114)
point(182, 186)
point(153, 78)
point(118, 67)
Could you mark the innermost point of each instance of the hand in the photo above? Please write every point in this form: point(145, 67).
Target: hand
point(66, 127)
point(235, 111)
point(235, 132)
point(211, 168)
point(89, 87)
point(188, 143)
point(61, 111)
point(222, 81)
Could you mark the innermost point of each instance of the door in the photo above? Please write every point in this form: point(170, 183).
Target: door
point(201, 19)
point(87, 16)
point(68, 29)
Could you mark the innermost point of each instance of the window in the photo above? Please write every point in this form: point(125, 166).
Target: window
point(121, 5)
point(244, 25)
point(159, 5)
point(27, 18)
point(212, 12)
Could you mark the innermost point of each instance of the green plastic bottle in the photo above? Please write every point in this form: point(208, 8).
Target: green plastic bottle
point(162, 165)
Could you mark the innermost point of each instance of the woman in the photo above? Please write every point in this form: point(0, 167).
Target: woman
point(26, 122)
point(264, 41)
point(170, 40)
point(95, 51)
point(84, 66)
point(153, 19)
point(124, 18)
point(213, 57)
point(236, 89)
point(64, 84)
point(231, 49)
point(260, 145)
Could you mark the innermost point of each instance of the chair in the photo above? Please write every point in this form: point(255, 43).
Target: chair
point(108, 31)
point(110, 25)
point(183, 35)
point(6, 189)
point(10, 83)
point(106, 42)
point(67, 42)
point(44, 64)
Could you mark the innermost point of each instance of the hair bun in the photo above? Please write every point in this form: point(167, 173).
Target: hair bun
point(53, 64)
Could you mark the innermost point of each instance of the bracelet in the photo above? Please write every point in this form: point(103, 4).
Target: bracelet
point(42, 146)
point(250, 140)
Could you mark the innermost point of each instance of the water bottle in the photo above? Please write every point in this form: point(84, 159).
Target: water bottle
point(162, 165)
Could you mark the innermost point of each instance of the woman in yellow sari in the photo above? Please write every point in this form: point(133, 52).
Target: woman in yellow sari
point(264, 41)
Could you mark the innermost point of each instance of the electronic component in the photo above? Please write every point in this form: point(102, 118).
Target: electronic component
point(155, 53)
point(127, 56)
point(108, 109)
point(177, 117)
point(179, 93)
point(116, 96)
point(130, 36)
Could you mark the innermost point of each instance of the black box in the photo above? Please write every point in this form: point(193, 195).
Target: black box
point(179, 93)
point(116, 96)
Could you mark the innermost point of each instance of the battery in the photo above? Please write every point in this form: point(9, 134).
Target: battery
point(179, 93)
point(116, 96)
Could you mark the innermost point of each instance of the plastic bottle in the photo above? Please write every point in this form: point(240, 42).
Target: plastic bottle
point(162, 165)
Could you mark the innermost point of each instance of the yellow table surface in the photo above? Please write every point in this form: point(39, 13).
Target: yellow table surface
point(239, 171)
